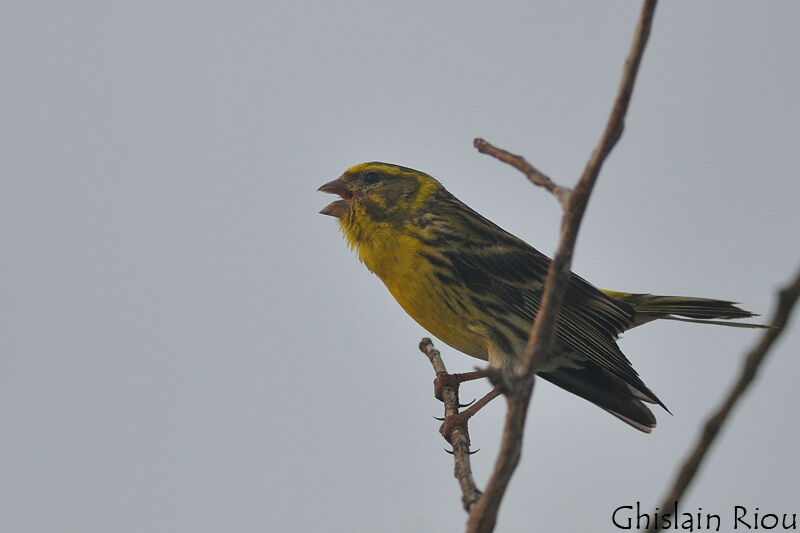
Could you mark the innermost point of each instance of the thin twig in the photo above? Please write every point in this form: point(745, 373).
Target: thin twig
point(520, 163)
point(559, 272)
point(459, 435)
point(483, 516)
point(787, 297)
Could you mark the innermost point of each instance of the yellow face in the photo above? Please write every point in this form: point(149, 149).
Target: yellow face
point(381, 192)
point(386, 213)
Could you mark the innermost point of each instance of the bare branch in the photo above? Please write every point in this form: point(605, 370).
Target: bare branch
point(459, 435)
point(559, 272)
point(521, 164)
point(787, 298)
point(483, 515)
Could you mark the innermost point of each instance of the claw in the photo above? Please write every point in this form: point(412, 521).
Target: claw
point(439, 419)
point(452, 452)
point(462, 405)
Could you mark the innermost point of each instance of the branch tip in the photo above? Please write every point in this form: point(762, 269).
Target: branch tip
point(446, 386)
point(787, 299)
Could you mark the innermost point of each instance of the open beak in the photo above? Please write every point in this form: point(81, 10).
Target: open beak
point(336, 208)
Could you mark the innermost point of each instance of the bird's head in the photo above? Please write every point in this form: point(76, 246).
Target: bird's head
point(379, 193)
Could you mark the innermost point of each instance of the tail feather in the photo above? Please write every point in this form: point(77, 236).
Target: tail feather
point(650, 307)
point(747, 325)
point(625, 399)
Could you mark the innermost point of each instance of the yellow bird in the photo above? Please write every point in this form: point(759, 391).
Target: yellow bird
point(478, 288)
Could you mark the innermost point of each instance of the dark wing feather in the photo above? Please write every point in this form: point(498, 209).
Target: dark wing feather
point(489, 259)
point(606, 391)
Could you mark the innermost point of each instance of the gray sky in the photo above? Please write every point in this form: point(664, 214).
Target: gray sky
point(186, 345)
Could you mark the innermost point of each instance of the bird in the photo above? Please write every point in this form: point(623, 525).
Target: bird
point(478, 288)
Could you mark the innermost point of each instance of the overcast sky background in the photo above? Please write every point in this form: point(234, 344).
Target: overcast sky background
point(186, 345)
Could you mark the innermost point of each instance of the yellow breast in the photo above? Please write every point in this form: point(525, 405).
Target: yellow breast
point(442, 309)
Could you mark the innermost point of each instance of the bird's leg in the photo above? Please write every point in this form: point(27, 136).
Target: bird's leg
point(460, 419)
point(453, 380)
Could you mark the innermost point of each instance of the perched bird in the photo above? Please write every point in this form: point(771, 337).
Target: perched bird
point(478, 288)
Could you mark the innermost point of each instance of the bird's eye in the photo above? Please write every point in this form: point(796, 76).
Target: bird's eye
point(371, 177)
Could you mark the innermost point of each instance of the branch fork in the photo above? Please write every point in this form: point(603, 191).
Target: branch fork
point(518, 388)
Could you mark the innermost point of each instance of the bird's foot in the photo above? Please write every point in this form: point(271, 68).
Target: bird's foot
point(460, 419)
point(453, 421)
point(453, 380)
